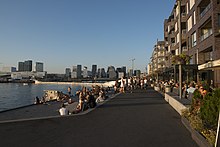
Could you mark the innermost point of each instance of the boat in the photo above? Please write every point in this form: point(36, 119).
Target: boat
point(25, 84)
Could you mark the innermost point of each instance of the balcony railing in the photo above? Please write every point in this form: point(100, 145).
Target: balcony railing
point(183, 14)
point(173, 44)
point(184, 49)
point(184, 31)
point(205, 10)
point(206, 35)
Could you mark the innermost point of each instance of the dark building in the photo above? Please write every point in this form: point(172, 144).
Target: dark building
point(28, 65)
point(39, 67)
point(68, 72)
point(25, 66)
point(20, 66)
point(94, 71)
point(79, 71)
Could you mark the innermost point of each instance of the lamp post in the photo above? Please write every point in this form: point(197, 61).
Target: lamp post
point(180, 47)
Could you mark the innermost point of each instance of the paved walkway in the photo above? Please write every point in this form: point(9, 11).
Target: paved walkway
point(140, 119)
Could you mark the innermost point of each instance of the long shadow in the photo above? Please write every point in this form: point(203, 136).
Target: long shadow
point(132, 104)
point(136, 98)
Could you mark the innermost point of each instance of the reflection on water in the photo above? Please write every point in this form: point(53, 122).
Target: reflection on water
point(13, 95)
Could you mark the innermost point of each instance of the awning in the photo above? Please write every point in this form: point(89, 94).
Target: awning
point(210, 65)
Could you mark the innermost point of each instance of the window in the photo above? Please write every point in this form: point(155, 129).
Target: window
point(189, 23)
point(191, 3)
point(194, 17)
point(219, 19)
point(193, 39)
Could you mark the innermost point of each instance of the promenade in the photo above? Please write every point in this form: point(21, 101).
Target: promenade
point(139, 119)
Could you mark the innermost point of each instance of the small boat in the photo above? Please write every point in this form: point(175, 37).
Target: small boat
point(25, 84)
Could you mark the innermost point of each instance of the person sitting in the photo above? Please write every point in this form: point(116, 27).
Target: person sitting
point(90, 100)
point(63, 111)
point(80, 106)
point(101, 97)
point(37, 100)
point(191, 90)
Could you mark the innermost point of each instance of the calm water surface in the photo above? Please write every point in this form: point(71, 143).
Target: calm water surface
point(13, 95)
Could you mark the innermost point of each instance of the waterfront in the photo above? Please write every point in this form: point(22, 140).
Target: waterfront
point(15, 95)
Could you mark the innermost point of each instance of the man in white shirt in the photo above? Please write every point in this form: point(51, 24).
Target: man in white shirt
point(63, 111)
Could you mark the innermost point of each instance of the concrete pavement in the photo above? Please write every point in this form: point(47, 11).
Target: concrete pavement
point(139, 119)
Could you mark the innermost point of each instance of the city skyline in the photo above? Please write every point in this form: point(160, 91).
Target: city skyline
point(85, 32)
point(39, 66)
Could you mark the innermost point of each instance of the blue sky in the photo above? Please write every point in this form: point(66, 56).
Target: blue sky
point(63, 33)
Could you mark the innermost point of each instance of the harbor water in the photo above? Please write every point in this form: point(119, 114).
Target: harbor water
point(14, 95)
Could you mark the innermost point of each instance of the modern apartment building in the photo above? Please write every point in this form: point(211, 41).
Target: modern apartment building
point(39, 67)
point(203, 37)
point(158, 64)
point(196, 32)
point(111, 73)
point(25, 66)
point(94, 71)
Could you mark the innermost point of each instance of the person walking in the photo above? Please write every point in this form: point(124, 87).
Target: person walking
point(122, 85)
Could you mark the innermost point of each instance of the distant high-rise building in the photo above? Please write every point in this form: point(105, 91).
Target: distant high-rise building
point(20, 66)
point(25, 66)
point(124, 70)
point(8, 69)
point(79, 71)
point(74, 72)
point(39, 67)
point(94, 70)
point(101, 73)
point(28, 65)
point(85, 72)
point(68, 72)
point(130, 72)
point(137, 73)
point(120, 70)
point(111, 74)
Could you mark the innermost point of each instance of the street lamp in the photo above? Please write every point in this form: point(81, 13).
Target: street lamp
point(180, 47)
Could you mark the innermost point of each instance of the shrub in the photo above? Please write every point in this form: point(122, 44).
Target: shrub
point(209, 110)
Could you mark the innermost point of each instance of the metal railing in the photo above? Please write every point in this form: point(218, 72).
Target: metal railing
point(205, 10)
point(206, 35)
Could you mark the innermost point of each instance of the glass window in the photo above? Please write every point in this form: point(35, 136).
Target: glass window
point(193, 39)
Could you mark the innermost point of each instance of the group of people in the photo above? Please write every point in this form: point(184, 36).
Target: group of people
point(128, 84)
point(39, 101)
point(187, 88)
point(86, 98)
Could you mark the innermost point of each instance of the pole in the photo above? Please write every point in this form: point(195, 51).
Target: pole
point(197, 60)
point(180, 47)
point(132, 66)
point(217, 142)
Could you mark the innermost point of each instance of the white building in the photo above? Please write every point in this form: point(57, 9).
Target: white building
point(74, 72)
point(27, 75)
point(85, 72)
point(8, 69)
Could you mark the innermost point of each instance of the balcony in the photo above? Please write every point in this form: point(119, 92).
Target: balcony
point(183, 14)
point(161, 55)
point(184, 31)
point(173, 44)
point(184, 49)
point(206, 35)
point(207, 8)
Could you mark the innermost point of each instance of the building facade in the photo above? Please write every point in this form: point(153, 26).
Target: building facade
point(39, 67)
point(193, 29)
point(111, 72)
point(94, 71)
point(25, 66)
